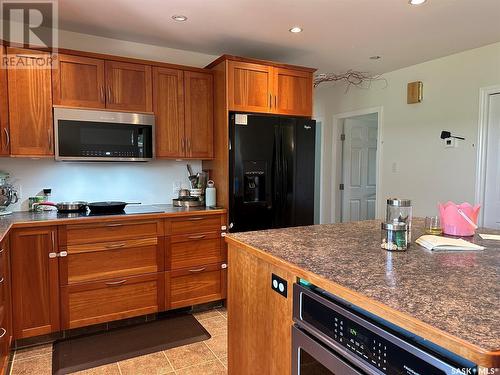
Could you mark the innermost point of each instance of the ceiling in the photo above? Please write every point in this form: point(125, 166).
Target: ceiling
point(338, 34)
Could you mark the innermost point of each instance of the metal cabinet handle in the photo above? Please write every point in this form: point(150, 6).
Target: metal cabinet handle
point(1, 280)
point(223, 266)
point(198, 270)
point(50, 138)
point(116, 283)
point(197, 237)
point(114, 225)
point(2, 250)
point(196, 218)
point(4, 331)
point(63, 254)
point(103, 94)
point(52, 255)
point(110, 97)
point(115, 245)
point(7, 137)
point(270, 100)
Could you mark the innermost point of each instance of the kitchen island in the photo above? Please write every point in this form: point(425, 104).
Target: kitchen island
point(450, 299)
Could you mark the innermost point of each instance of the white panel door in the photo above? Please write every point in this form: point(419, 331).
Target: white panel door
point(359, 173)
point(492, 192)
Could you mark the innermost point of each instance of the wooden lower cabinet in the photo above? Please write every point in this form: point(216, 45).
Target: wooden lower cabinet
point(259, 319)
point(194, 250)
point(103, 301)
point(192, 286)
point(5, 305)
point(35, 281)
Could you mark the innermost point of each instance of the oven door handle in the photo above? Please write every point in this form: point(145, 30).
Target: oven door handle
point(301, 341)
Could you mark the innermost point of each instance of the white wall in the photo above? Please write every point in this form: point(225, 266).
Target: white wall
point(148, 183)
point(426, 172)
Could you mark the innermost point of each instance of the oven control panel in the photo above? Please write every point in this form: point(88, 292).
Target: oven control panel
point(359, 339)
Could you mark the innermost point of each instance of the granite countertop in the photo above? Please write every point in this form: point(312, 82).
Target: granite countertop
point(456, 292)
point(135, 211)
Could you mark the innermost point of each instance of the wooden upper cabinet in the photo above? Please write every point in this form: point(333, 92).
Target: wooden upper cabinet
point(292, 92)
point(261, 88)
point(30, 106)
point(4, 109)
point(128, 86)
point(249, 87)
point(168, 106)
point(79, 82)
point(35, 281)
point(199, 116)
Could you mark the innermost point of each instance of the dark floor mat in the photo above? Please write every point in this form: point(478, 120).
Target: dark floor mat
point(80, 353)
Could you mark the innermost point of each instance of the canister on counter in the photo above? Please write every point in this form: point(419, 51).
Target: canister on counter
point(400, 211)
point(394, 236)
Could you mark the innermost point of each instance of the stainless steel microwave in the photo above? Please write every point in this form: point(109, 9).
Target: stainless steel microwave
point(90, 135)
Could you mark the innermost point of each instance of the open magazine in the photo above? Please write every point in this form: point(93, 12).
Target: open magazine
point(438, 243)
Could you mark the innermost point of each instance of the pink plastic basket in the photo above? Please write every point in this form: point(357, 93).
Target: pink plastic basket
point(458, 220)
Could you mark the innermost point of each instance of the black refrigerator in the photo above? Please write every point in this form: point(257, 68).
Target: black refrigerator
point(271, 171)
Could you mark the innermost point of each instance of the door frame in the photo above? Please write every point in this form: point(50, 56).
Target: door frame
point(337, 162)
point(482, 145)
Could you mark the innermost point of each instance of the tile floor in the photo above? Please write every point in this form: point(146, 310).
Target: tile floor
point(202, 358)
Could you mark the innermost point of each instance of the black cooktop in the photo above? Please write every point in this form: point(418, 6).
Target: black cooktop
point(130, 210)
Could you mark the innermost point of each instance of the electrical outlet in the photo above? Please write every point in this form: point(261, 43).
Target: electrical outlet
point(279, 285)
point(450, 143)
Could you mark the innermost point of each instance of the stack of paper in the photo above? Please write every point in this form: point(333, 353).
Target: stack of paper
point(445, 243)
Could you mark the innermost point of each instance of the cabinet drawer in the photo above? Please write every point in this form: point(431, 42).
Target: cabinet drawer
point(112, 231)
point(190, 287)
point(106, 260)
point(104, 301)
point(194, 224)
point(194, 250)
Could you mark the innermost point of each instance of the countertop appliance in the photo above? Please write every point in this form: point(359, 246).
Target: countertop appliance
point(271, 171)
point(90, 135)
point(8, 194)
point(331, 336)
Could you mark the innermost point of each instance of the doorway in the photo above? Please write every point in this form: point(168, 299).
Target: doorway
point(359, 167)
point(491, 203)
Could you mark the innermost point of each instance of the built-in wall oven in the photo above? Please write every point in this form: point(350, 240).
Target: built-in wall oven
point(333, 337)
point(92, 135)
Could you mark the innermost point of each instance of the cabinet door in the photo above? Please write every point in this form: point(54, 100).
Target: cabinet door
point(199, 115)
point(78, 82)
point(35, 282)
point(249, 87)
point(30, 106)
point(192, 286)
point(168, 106)
point(5, 304)
point(128, 86)
point(4, 109)
point(292, 92)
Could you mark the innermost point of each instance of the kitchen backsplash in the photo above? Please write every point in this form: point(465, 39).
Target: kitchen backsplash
point(148, 183)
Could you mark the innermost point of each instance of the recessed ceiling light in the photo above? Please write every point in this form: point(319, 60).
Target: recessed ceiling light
point(296, 29)
point(375, 57)
point(417, 2)
point(179, 18)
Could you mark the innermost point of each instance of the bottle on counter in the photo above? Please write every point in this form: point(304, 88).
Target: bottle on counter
point(210, 194)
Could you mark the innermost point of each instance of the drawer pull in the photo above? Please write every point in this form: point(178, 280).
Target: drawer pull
point(4, 331)
point(196, 218)
point(198, 270)
point(114, 225)
point(197, 237)
point(63, 254)
point(52, 255)
point(116, 245)
point(2, 250)
point(1, 280)
point(116, 283)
